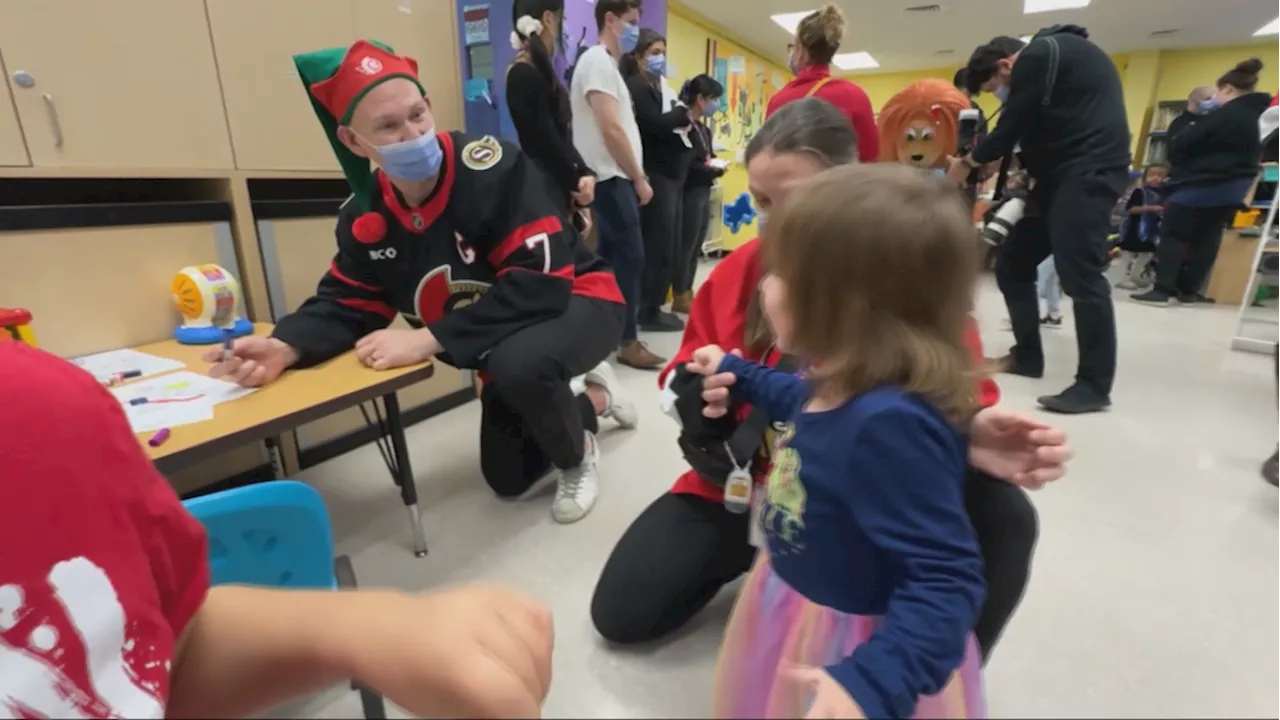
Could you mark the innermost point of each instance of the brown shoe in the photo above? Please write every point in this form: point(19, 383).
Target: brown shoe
point(1001, 364)
point(682, 302)
point(637, 355)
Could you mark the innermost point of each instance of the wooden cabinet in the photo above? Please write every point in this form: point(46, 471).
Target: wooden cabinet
point(13, 147)
point(425, 30)
point(116, 83)
point(273, 126)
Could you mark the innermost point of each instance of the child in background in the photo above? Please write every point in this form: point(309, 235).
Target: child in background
point(1051, 291)
point(870, 579)
point(106, 610)
point(1140, 230)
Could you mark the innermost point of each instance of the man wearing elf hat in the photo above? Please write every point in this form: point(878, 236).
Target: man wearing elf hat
point(461, 236)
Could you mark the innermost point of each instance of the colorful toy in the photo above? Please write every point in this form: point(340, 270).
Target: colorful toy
point(919, 125)
point(739, 213)
point(16, 324)
point(209, 299)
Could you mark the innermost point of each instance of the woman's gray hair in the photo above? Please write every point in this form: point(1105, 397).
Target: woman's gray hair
point(809, 125)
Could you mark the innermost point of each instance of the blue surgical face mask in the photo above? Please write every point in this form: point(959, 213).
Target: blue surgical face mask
point(629, 37)
point(711, 108)
point(1002, 94)
point(1209, 105)
point(657, 64)
point(415, 160)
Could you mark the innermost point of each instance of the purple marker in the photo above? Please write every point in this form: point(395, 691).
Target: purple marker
point(138, 401)
point(158, 439)
point(228, 345)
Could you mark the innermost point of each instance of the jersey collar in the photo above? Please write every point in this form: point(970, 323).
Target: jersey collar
point(418, 219)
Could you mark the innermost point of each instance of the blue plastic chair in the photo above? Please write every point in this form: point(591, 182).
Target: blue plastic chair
point(276, 534)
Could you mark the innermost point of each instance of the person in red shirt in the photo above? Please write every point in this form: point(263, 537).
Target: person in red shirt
point(690, 542)
point(106, 608)
point(816, 42)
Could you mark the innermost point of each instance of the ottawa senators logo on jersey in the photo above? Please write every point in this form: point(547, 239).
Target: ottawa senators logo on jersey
point(438, 294)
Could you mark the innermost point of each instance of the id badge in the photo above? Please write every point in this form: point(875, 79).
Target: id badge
point(755, 529)
point(737, 491)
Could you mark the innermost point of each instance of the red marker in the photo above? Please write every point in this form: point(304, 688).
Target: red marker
point(158, 439)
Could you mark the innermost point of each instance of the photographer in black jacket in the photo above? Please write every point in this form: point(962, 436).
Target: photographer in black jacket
point(1064, 108)
point(1214, 160)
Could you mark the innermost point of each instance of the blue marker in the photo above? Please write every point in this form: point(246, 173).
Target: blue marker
point(227, 343)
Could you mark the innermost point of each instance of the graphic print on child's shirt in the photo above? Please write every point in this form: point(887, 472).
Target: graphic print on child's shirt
point(784, 510)
point(67, 649)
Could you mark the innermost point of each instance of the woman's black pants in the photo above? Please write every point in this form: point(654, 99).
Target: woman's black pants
point(530, 420)
point(695, 219)
point(660, 223)
point(1189, 242)
point(682, 549)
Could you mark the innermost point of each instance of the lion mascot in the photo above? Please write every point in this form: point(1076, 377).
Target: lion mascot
point(919, 125)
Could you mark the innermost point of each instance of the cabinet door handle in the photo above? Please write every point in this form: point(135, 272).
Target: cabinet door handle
point(56, 125)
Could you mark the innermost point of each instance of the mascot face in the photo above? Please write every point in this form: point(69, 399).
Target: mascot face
point(918, 125)
point(920, 144)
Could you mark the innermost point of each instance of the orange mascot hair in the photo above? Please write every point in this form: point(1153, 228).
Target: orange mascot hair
point(932, 99)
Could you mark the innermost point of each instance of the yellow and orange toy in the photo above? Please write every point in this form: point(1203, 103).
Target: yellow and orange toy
point(16, 323)
point(919, 125)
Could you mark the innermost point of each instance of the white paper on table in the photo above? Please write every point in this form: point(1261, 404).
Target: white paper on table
point(103, 365)
point(180, 385)
point(152, 417)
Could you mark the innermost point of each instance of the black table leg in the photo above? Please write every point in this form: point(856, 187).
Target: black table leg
point(403, 471)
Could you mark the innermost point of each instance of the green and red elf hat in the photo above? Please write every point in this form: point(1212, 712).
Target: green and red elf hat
point(337, 79)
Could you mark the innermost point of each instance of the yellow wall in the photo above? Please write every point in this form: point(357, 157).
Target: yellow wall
point(1182, 70)
point(687, 37)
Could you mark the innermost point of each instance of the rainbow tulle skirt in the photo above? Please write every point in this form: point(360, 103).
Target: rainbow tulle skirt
point(773, 627)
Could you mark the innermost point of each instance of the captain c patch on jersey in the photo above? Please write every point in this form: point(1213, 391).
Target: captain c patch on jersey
point(439, 294)
point(482, 154)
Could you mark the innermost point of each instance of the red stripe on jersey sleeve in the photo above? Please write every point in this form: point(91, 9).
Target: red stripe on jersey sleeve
point(372, 306)
point(516, 240)
point(336, 273)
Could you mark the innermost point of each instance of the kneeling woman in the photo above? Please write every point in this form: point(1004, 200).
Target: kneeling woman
point(690, 542)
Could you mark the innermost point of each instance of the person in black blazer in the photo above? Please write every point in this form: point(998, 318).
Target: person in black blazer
point(702, 96)
point(539, 106)
point(665, 127)
point(1214, 160)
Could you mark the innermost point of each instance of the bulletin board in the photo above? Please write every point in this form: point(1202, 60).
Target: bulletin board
point(749, 83)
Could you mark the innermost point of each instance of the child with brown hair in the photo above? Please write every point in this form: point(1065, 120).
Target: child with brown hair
point(862, 602)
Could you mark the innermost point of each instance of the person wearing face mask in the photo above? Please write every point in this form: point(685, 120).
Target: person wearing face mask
point(702, 96)
point(1213, 162)
point(1198, 103)
point(606, 133)
point(817, 40)
point(668, 152)
point(1063, 110)
point(462, 237)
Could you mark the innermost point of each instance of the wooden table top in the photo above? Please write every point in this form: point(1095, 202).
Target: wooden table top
point(298, 397)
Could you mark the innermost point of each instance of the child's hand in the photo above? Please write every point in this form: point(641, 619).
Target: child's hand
point(469, 652)
point(706, 360)
point(715, 385)
point(830, 700)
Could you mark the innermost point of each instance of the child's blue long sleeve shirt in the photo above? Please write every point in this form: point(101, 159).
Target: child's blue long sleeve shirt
point(865, 514)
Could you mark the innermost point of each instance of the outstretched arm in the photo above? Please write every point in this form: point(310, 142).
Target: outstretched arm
point(474, 652)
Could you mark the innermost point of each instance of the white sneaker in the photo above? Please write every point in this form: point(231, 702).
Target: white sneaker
point(577, 488)
point(621, 408)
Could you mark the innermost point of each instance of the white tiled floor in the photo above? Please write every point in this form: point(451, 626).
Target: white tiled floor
point(1154, 592)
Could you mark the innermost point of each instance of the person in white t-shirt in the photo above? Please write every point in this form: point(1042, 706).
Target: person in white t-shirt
point(606, 135)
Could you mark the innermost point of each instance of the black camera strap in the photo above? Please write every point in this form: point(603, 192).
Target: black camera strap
point(1050, 80)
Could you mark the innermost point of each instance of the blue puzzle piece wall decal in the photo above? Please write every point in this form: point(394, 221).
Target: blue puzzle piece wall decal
point(739, 213)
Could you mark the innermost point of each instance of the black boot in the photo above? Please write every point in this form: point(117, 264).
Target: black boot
point(1271, 468)
point(1076, 400)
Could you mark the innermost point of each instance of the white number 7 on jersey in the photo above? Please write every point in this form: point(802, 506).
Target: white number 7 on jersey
point(541, 239)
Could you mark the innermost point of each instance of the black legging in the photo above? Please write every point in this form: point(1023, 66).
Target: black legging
point(682, 549)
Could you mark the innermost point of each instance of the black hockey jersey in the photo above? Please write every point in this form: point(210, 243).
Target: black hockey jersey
point(488, 253)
